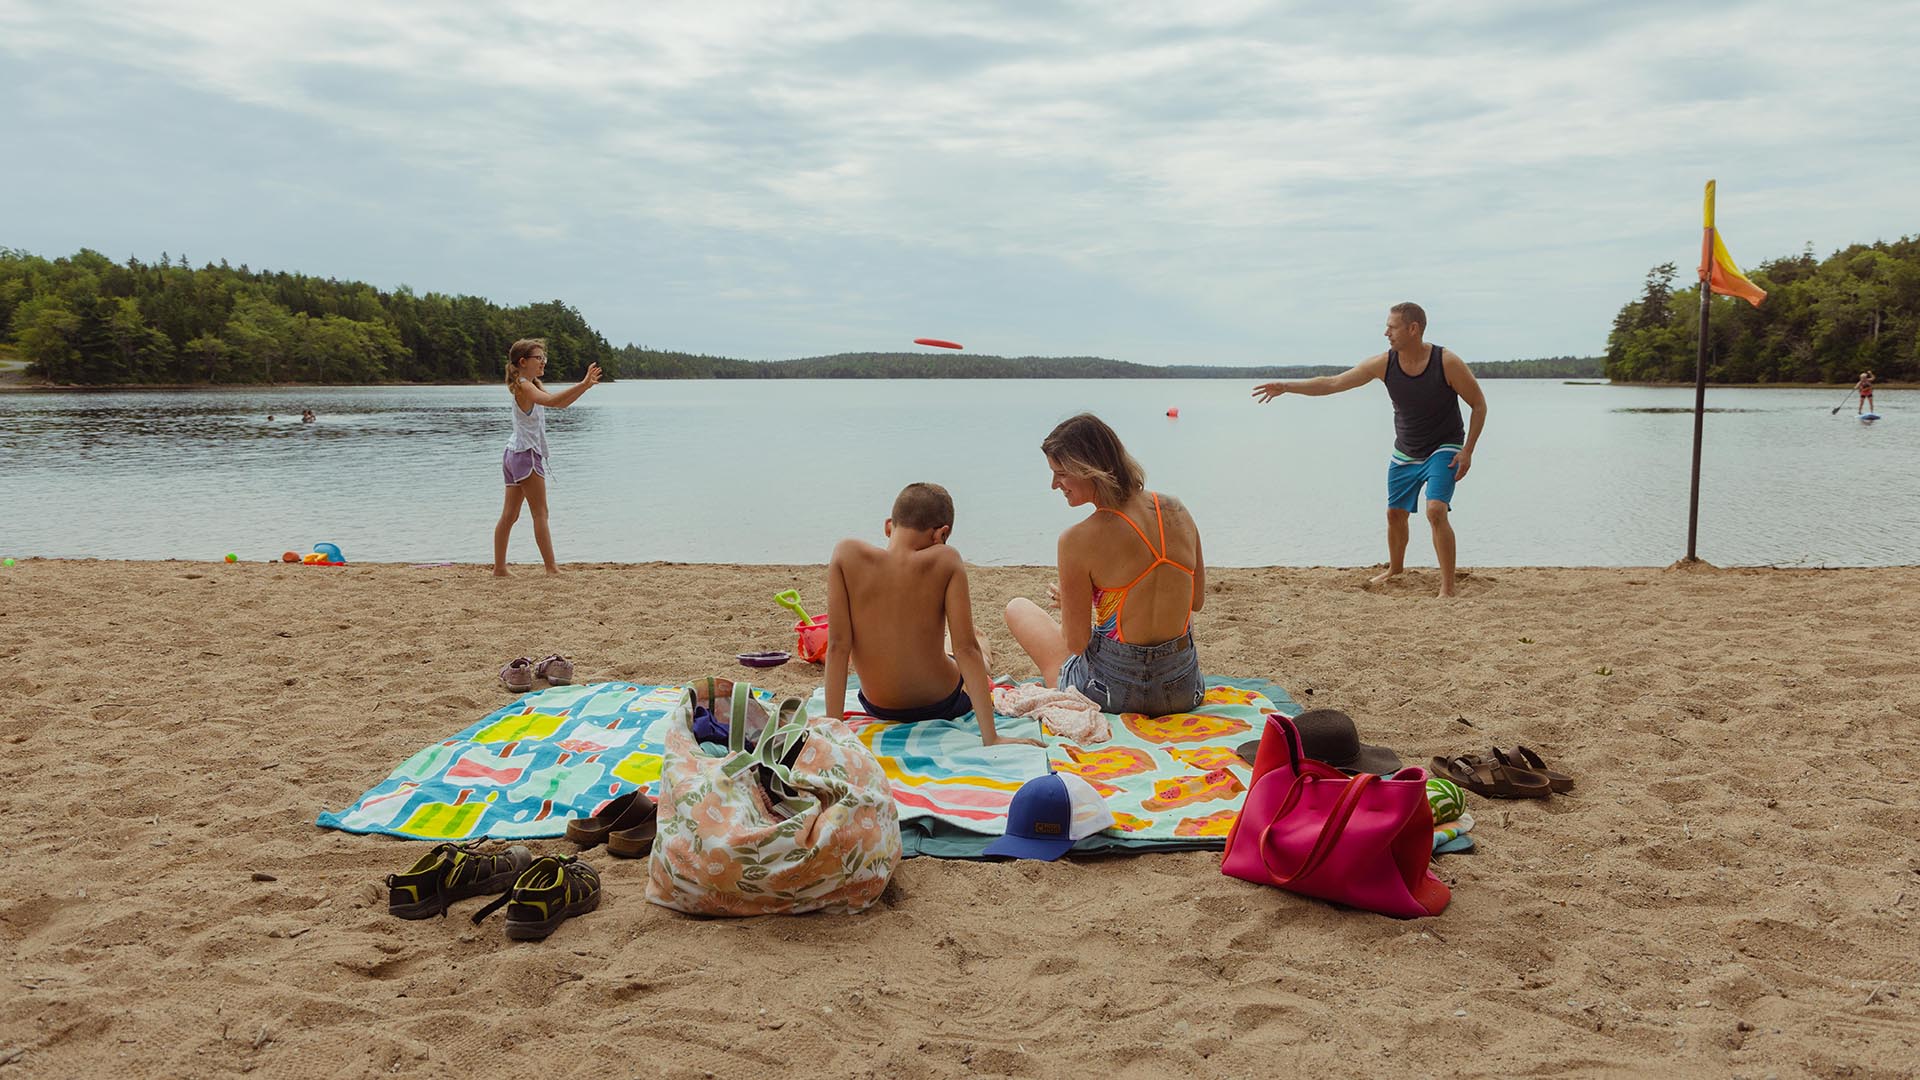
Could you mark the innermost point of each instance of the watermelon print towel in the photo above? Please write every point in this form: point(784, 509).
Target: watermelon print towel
point(525, 769)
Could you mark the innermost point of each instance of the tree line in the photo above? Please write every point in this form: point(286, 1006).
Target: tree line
point(87, 320)
point(1823, 321)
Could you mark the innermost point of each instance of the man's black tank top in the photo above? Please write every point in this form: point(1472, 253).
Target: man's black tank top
point(1426, 411)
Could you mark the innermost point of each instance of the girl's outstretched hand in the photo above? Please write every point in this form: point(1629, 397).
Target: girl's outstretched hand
point(592, 376)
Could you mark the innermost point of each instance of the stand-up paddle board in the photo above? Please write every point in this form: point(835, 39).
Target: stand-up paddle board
point(1869, 417)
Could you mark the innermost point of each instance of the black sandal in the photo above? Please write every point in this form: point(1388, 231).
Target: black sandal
point(551, 891)
point(453, 872)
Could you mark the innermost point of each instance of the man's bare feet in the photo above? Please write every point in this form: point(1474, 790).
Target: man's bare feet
point(1447, 593)
point(499, 572)
point(1390, 572)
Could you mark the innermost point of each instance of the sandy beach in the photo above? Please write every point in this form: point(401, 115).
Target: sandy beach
point(1731, 890)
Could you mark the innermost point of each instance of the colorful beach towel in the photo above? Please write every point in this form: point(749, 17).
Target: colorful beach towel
point(1452, 837)
point(1173, 783)
point(525, 769)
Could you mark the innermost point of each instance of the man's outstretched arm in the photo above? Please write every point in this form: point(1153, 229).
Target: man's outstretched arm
point(1358, 375)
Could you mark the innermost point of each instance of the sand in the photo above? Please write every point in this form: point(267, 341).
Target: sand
point(1730, 892)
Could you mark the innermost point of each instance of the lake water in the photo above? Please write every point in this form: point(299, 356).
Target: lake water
point(776, 471)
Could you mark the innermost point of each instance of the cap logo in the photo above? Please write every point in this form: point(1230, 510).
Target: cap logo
point(1048, 828)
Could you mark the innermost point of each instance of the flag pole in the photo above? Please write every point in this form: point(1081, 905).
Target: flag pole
point(1700, 381)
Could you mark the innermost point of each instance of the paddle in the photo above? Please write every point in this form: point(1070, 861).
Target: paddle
point(1843, 404)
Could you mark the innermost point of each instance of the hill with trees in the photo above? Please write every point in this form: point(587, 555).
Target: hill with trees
point(1823, 321)
point(88, 321)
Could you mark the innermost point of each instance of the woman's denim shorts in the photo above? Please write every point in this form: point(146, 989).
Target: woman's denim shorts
point(1158, 680)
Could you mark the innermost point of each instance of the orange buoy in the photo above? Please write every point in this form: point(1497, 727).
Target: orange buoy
point(1175, 413)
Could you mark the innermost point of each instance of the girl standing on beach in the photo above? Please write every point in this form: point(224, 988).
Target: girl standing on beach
point(1131, 577)
point(525, 462)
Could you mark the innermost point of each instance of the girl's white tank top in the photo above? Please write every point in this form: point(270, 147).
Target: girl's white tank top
point(529, 430)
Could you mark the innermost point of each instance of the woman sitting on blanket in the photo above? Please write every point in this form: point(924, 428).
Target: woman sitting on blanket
point(1131, 577)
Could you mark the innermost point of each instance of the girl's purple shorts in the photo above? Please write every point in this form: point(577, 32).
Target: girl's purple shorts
point(520, 464)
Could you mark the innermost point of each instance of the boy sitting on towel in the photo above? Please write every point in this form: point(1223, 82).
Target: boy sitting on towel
point(890, 612)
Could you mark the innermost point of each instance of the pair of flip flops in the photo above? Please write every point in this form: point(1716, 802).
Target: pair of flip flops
point(519, 674)
point(1519, 773)
point(627, 825)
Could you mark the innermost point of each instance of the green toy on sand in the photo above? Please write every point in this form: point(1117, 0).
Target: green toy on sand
point(810, 633)
point(791, 601)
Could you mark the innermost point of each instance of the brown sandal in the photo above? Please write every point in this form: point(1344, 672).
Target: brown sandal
point(1494, 779)
point(625, 812)
point(632, 836)
point(1521, 757)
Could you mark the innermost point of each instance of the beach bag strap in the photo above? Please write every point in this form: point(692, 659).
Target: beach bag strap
point(737, 716)
point(1330, 830)
point(786, 727)
point(780, 743)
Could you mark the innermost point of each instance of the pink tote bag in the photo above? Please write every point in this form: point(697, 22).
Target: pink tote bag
point(1364, 841)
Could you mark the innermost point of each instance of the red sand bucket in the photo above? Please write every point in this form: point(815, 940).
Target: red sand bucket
point(812, 646)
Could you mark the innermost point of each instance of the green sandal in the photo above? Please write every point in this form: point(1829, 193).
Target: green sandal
point(450, 873)
point(551, 891)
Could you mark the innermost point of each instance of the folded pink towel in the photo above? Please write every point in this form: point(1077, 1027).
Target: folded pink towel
point(1067, 713)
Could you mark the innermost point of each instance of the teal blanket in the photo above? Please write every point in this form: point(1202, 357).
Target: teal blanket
point(525, 769)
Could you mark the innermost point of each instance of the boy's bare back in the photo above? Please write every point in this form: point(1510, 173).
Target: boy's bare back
point(897, 603)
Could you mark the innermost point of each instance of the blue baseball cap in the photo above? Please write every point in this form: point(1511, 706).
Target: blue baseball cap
point(1039, 821)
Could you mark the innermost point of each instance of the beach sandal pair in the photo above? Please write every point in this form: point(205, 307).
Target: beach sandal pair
point(1519, 773)
point(547, 891)
point(519, 674)
point(627, 825)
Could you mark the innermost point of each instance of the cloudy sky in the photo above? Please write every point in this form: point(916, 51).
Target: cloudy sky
point(1166, 182)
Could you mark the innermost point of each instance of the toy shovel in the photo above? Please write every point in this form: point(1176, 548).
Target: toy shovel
point(791, 601)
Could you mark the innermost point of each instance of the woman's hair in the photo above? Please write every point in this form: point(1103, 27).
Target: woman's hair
point(1085, 447)
point(519, 351)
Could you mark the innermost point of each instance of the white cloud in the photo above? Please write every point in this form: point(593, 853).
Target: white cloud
point(1237, 163)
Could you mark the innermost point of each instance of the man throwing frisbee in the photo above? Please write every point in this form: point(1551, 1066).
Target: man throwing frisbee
point(1431, 448)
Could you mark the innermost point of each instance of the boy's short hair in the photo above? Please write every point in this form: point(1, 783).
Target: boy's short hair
point(923, 506)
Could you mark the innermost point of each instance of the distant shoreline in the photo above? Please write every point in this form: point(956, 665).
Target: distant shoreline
point(18, 385)
point(1769, 386)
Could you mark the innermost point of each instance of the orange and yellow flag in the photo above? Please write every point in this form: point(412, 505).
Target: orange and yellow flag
point(1717, 268)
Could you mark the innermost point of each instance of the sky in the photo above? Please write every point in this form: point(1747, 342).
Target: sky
point(1196, 181)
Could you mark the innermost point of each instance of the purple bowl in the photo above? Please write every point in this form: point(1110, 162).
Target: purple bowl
point(763, 659)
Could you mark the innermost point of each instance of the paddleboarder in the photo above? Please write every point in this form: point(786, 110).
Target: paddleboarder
point(1865, 389)
point(1431, 448)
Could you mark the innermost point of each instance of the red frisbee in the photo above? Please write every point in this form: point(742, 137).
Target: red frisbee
point(936, 343)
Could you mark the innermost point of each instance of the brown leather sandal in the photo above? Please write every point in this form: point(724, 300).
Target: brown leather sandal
point(1494, 779)
point(624, 812)
point(632, 837)
point(1521, 757)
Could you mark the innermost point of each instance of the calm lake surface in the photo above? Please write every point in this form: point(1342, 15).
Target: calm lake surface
point(776, 471)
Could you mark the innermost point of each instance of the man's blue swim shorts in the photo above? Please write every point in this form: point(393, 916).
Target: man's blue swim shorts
point(1406, 476)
